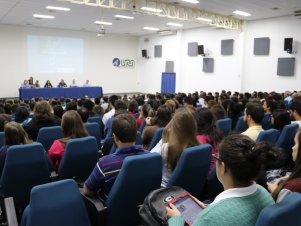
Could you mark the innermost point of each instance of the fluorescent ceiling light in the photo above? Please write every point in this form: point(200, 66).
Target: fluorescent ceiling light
point(175, 24)
point(57, 8)
point(191, 1)
point(241, 13)
point(151, 28)
point(40, 16)
point(102, 22)
point(204, 19)
point(124, 17)
point(154, 10)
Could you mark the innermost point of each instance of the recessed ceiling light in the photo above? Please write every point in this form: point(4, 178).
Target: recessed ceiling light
point(102, 22)
point(241, 13)
point(191, 1)
point(204, 19)
point(124, 17)
point(57, 8)
point(151, 28)
point(40, 16)
point(175, 24)
point(154, 10)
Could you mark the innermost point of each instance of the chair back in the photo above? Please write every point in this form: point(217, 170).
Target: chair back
point(157, 137)
point(240, 125)
point(93, 130)
point(286, 212)
point(25, 167)
point(58, 203)
point(1, 139)
point(139, 175)
point(47, 135)
point(225, 125)
point(143, 124)
point(287, 136)
point(269, 135)
point(192, 169)
point(98, 121)
point(80, 157)
point(266, 121)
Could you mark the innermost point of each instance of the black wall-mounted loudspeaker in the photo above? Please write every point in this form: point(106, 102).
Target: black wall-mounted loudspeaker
point(200, 49)
point(144, 53)
point(288, 45)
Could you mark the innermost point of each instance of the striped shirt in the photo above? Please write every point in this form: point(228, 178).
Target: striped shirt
point(107, 168)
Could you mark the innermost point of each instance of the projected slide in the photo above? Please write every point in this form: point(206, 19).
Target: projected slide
point(54, 55)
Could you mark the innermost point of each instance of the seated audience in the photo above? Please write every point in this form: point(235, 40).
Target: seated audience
point(89, 105)
point(218, 112)
point(48, 84)
point(62, 84)
point(280, 118)
point(72, 127)
point(4, 118)
point(144, 113)
point(295, 110)
point(22, 116)
point(42, 117)
point(292, 183)
point(238, 163)
point(133, 108)
point(107, 168)
point(110, 113)
point(207, 131)
point(269, 106)
point(253, 116)
point(160, 120)
point(15, 135)
point(180, 133)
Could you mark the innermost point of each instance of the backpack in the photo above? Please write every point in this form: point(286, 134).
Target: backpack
point(153, 210)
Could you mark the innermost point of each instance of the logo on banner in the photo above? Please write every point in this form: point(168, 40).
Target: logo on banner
point(123, 63)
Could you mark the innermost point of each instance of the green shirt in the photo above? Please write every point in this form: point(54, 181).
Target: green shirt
point(242, 211)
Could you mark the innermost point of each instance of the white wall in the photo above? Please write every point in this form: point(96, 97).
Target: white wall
point(98, 56)
point(260, 72)
point(189, 75)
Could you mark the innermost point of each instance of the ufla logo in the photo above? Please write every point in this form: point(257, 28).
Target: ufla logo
point(124, 63)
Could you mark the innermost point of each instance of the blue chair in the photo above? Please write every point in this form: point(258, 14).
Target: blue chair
point(213, 186)
point(2, 139)
point(139, 175)
point(240, 125)
point(192, 169)
point(224, 125)
point(287, 136)
point(98, 120)
point(269, 135)
point(79, 159)
point(58, 203)
point(157, 137)
point(143, 124)
point(266, 121)
point(286, 212)
point(47, 135)
point(93, 130)
point(25, 167)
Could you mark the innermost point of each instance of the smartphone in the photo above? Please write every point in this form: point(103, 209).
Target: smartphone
point(188, 207)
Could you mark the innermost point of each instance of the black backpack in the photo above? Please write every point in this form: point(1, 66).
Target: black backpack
point(153, 210)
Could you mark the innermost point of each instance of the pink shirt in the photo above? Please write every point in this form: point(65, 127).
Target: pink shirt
point(56, 153)
point(204, 140)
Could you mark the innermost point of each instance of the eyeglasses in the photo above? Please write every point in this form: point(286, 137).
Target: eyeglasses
point(217, 157)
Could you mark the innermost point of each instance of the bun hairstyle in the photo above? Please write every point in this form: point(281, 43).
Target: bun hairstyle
point(244, 157)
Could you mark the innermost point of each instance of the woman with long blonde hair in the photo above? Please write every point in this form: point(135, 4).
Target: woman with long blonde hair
point(180, 133)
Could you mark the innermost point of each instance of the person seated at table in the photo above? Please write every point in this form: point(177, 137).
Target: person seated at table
point(87, 84)
point(48, 84)
point(73, 84)
point(25, 84)
point(62, 84)
point(37, 84)
point(73, 127)
point(30, 82)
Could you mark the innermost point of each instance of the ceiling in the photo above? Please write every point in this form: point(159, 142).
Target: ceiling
point(82, 17)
